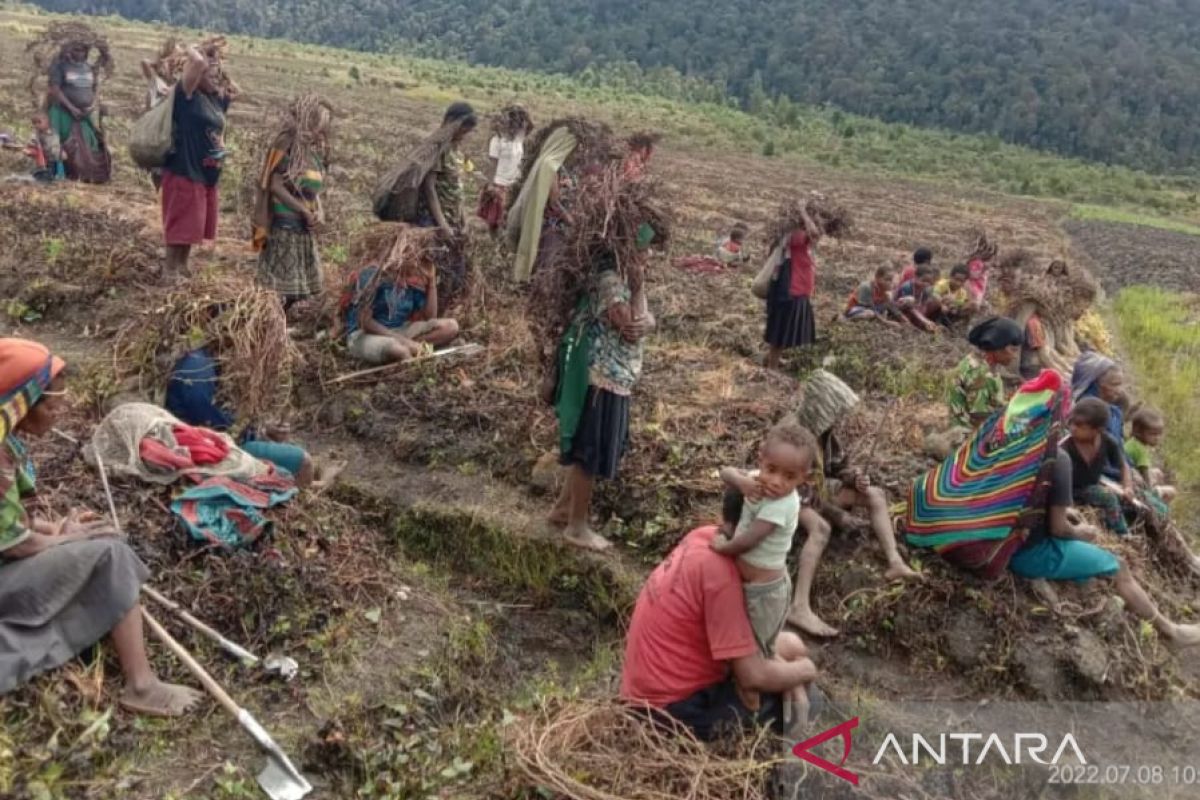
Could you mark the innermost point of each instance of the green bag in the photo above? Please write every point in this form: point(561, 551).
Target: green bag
point(153, 134)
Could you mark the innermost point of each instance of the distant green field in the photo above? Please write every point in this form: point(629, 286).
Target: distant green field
point(1106, 214)
point(782, 129)
point(1160, 331)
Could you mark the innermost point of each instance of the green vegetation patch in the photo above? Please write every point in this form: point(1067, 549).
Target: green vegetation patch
point(1105, 214)
point(1160, 330)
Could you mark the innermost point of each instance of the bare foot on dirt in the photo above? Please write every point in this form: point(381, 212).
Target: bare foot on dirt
point(556, 520)
point(901, 572)
point(587, 539)
point(1185, 636)
point(327, 473)
point(160, 699)
point(807, 620)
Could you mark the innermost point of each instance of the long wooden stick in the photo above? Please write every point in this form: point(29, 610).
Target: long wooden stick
point(466, 349)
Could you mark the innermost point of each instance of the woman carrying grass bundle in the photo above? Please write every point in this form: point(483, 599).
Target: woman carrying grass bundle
point(441, 201)
point(72, 102)
point(64, 583)
point(506, 151)
point(1002, 501)
point(193, 167)
point(288, 211)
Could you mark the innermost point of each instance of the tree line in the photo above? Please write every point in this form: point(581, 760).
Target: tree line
point(1115, 81)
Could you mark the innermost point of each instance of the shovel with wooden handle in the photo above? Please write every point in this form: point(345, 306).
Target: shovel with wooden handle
point(279, 778)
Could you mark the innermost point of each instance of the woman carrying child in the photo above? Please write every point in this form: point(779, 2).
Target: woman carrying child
point(978, 390)
point(288, 210)
point(837, 488)
point(766, 527)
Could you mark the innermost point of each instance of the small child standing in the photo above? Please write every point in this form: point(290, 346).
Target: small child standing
point(46, 150)
point(873, 299)
point(731, 248)
point(1148, 427)
point(762, 538)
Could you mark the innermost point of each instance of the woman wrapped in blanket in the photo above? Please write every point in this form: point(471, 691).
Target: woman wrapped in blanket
point(64, 583)
point(288, 211)
point(1002, 501)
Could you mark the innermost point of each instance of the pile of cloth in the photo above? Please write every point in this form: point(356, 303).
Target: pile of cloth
point(230, 488)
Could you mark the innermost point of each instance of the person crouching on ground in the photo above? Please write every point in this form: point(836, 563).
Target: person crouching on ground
point(873, 299)
point(768, 510)
point(731, 249)
point(64, 583)
point(954, 301)
point(1147, 427)
point(691, 653)
point(916, 301)
point(978, 390)
point(392, 312)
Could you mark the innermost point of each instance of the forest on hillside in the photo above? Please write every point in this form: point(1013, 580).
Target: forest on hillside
point(1107, 80)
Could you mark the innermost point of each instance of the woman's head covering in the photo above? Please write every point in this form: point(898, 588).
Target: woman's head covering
point(1089, 369)
point(824, 401)
point(26, 370)
point(995, 333)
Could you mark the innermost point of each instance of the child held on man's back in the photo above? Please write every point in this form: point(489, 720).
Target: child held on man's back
point(762, 537)
point(1147, 426)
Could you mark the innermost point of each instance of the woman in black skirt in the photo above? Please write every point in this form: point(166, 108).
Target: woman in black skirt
point(790, 320)
point(600, 360)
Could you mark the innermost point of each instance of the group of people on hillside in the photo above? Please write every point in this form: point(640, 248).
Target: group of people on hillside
point(716, 635)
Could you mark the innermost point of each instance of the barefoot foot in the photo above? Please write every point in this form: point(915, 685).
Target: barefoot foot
point(586, 539)
point(160, 699)
point(808, 622)
point(1185, 636)
point(901, 572)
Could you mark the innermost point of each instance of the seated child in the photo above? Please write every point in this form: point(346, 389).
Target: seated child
point(921, 257)
point(46, 150)
point(873, 299)
point(1094, 451)
point(399, 318)
point(731, 249)
point(763, 536)
point(915, 298)
point(1147, 429)
point(838, 489)
point(954, 301)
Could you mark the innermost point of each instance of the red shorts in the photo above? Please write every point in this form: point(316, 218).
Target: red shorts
point(189, 210)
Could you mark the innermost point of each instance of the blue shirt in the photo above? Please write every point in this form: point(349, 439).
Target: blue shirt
point(391, 307)
point(192, 392)
point(1116, 429)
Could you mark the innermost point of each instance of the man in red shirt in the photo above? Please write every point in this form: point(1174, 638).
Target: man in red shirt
point(691, 653)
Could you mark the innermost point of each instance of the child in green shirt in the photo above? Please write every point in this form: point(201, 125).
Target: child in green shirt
point(1148, 426)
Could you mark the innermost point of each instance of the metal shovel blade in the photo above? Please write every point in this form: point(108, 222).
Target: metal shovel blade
point(282, 782)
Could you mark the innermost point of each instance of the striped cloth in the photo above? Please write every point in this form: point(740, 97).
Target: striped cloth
point(978, 506)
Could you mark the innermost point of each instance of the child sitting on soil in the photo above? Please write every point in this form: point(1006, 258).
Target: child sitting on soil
point(873, 299)
point(399, 317)
point(954, 301)
point(766, 526)
point(921, 257)
point(838, 488)
point(1094, 451)
point(915, 298)
point(731, 248)
point(46, 150)
point(1148, 426)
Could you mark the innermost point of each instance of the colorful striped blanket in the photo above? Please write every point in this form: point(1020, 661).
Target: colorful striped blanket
point(976, 508)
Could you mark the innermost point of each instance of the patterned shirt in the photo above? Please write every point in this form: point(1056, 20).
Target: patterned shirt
point(615, 363)
point(448, 184)
point(16, 482)
point(976, 390)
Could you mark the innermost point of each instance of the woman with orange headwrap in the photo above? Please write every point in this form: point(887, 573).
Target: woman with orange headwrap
point(63, 583)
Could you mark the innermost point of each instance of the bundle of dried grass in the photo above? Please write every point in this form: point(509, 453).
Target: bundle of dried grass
point(51, 46)
point(402, 252)
point(982, 249)
point(609, 214)
point(594, 146)
point(244, 328)
point(173, 56)
point(607, 751)
point(831, 218)
point(511, 121)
